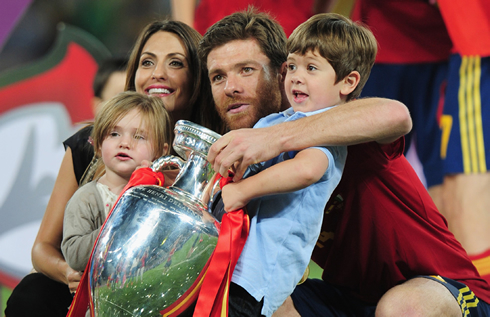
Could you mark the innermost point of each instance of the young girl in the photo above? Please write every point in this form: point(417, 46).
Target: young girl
point(129, 129)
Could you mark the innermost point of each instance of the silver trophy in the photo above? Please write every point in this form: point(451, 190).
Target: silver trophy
point(156, 242)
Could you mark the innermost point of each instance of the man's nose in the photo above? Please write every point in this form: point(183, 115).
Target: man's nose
point(232, 86)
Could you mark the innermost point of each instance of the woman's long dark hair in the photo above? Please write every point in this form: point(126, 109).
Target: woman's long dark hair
point(201, 97)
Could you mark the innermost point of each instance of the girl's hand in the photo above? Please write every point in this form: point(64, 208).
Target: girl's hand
point(170, 176)
point(144, 163)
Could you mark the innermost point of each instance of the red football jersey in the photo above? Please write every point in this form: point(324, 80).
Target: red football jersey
point(408, 31)
point(381, 228)
point(468, 23)
point(289, 13)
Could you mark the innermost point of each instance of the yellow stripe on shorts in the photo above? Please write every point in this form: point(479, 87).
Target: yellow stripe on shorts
point(482, 265)
point(466, 298)
point(471, 127)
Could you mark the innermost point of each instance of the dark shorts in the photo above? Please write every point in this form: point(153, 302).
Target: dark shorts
point(470, 305)
point(242, 304)
point(421, 88)
point(38, 295)
point(466, 116)
point(314, 297)
point(317, 298)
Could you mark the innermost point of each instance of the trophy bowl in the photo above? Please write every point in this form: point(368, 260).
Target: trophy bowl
point(155, 244)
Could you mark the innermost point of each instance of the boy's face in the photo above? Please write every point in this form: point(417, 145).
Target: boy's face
point(310, 82)
point(127, 145)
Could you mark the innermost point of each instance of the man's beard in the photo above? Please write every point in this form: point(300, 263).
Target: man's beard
point(268, 101)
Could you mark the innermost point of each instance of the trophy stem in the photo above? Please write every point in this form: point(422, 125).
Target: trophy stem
point(195, 178)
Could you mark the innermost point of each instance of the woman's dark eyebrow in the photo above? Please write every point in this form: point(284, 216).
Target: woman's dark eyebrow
point(148, 53)
point(168, 55)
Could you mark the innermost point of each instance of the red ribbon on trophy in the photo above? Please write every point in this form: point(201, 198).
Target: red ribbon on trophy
point(82, 299)
point(213, 297)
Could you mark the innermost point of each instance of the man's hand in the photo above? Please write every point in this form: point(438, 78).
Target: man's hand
point(245, 147)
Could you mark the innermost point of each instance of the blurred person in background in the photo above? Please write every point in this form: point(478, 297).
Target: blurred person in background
point(465, 146)
point(411, 67)
point(204, 13)
point(109, 80)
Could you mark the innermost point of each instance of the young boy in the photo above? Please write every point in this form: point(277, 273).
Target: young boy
point(128, 129)
point(329, 61)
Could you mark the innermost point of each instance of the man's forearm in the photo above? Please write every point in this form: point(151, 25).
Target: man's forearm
point(360, 121)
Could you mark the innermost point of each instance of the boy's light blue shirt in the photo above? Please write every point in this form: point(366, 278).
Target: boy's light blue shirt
point(284, 228)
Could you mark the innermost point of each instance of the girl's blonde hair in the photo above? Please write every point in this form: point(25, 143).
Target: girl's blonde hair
point(153, 113)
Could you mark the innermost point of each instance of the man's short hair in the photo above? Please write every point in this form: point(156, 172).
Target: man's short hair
point(245, 25)
point(348, 46)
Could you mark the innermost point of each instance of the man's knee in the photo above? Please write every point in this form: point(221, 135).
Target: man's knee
point(418, 297)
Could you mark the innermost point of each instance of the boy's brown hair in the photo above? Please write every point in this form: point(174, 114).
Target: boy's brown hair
point(348, 46)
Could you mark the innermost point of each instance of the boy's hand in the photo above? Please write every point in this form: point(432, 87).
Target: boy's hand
point(233, 198)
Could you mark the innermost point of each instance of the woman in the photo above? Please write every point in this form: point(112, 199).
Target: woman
point(164, 63)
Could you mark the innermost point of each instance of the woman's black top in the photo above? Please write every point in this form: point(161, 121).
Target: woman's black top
point(81, 150)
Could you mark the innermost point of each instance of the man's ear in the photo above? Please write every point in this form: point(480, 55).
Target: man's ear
point(350, 82)
point(282, 79)
point(284, 70)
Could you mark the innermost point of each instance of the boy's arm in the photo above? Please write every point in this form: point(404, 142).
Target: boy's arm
point(359, 121)
point(306, 168)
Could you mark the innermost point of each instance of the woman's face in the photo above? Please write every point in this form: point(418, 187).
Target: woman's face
point(163, 71)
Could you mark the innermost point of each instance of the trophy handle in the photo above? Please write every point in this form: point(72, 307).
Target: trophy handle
point(213, 191)
point(165, 161)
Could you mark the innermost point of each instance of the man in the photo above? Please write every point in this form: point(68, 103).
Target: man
point(243, 56)
point(247, 84)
